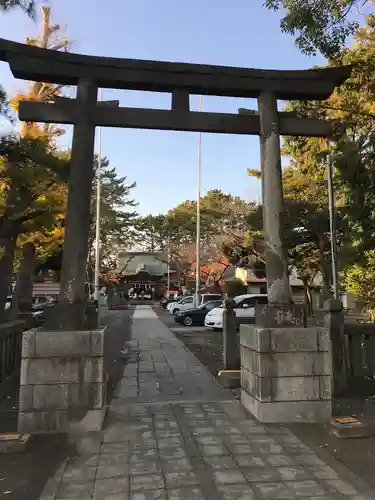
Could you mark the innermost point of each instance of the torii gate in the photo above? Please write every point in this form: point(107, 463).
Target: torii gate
point(181, 80)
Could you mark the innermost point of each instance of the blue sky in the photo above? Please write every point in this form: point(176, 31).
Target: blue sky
point(164, 164)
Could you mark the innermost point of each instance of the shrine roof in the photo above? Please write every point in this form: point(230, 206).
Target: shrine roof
point(133, 263)
point(37, 64)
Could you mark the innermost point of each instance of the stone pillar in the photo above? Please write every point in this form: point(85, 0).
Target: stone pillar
point(334, 322)
point(62, 384)
point(231, 345)
point(273, 206)
point(286, 374)
point(77, 223)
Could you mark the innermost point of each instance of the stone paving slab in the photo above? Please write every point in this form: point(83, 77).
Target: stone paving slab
point(198, 449)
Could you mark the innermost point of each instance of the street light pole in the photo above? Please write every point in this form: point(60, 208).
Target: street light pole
point(332, 224)
point(97, 227)
point(198, 235)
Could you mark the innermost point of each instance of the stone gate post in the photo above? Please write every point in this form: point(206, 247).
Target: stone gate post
point(273, 204)
point(231, 346)
point(77, 226)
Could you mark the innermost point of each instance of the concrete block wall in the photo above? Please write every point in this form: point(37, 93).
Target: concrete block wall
point(286, 373)
point(62, 385)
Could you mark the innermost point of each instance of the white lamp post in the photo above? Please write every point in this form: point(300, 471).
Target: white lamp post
point(198, 235)
point(332, 225)
point(97, 227)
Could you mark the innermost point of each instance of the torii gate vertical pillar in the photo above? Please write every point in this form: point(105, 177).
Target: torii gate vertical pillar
point(279, 293)
point(68, 345)
point(77, 224)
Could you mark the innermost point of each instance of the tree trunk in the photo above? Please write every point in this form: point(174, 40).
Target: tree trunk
point(7, 245)
point(9, 230)
point(23, 293)
point(217, 287)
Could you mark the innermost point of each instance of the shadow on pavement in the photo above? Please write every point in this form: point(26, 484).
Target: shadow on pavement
point(118, 333)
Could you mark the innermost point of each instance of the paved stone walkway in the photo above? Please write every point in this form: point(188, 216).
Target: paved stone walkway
point(173, 434)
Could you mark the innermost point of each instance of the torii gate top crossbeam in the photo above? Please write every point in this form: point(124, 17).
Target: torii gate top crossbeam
point(33, 63)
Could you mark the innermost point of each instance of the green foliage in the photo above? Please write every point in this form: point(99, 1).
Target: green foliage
point(319, 25)
point(154, 232)
point(117, 216)
point(353, 151)
point(4, 104)
point(34, 172)
point(306, 225)
point(30, 176)
point(360, 280)
point(28, 6)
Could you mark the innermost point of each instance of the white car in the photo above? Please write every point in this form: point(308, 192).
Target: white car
point(244, 307)
point(170, 305)
point(183, 304)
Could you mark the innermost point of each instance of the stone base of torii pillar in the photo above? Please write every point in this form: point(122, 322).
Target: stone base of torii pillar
point(286, 369)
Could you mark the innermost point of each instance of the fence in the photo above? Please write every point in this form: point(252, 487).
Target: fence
point(351, 316)
point(10, 355)
point(360, 350)
point(359, 343)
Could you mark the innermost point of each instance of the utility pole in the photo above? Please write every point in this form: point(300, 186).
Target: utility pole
point(198, 235)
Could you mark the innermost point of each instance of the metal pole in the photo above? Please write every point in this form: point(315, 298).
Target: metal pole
point(332, 224)
point(97, 228)
point(198, 235)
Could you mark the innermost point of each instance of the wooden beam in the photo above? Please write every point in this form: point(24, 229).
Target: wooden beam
point(188, 121)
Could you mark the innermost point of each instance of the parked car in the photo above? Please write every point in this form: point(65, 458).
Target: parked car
point(188, 302)
point(244, 307)
point(209, 297)
point(196, 316)
point(183, 304)
point(167, 300)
